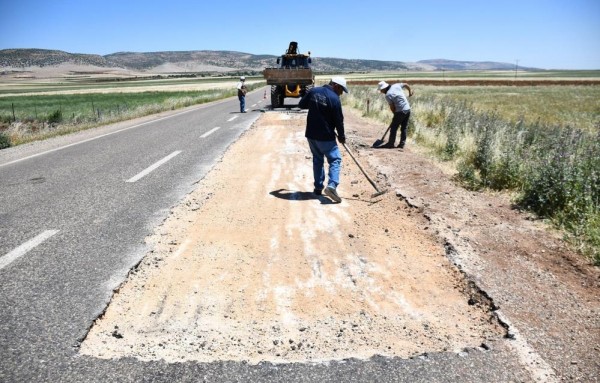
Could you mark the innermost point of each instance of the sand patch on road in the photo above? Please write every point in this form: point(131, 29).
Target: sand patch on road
point(253, 267)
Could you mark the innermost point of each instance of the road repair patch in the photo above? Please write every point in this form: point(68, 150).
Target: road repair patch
point(253, 267)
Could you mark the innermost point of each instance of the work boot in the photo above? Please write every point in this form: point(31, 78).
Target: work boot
point(318, 191)
point(401, 146)
point(332, 193)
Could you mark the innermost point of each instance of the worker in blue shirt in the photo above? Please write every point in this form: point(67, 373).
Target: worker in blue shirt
point(324, 118)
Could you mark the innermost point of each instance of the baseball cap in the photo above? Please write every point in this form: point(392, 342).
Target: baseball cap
point(242, 78)
point(341, 82)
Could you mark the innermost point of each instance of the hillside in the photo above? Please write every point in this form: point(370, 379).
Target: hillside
point(211, 61)
point(442, 64)
point(22, 58)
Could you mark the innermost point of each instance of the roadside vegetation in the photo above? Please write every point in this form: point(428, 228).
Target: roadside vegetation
point(540, 143)
point(27, 118)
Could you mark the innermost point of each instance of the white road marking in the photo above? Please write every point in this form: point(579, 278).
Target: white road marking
point(232, 118)
point(537, 366)
point(95, 138)
point(153, 167)
point(25, 248)
point(210, 132)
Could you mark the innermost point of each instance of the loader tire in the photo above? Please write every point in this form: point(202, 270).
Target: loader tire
point(276, 97)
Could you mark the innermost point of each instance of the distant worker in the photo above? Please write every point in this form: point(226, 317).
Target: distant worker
point(394, 95)
point(324, 118)
point(242, 90)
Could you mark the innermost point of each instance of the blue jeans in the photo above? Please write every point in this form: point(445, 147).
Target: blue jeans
point(329, 150)
point(242, 103)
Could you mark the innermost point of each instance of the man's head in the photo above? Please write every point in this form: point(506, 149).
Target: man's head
point(339, 85)
point(242, 78)
point(383, 86)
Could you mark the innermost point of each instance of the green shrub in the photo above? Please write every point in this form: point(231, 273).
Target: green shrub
point(451, 148)
point(467, 175)
point(591, 234)
point(4, 140)
point(484, 156)
point(505, 173)
point(55, 117)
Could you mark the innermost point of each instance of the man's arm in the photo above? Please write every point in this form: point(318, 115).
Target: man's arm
point(304, 101)
point(338, 115)
point(410, 92)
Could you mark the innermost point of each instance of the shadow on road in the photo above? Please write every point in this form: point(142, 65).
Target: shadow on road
point(291, 195)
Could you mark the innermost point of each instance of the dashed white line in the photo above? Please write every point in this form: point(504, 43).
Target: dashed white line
point(153, 167)
point(97, 137)
point(210, 132)
point(232, 118)
point(25, 248)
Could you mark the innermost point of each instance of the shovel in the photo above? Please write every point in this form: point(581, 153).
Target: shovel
point(380, 142)
point(378, 192)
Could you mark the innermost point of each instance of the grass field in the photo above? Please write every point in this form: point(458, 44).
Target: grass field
point(29, 115)
point(519, 75)
point(567, 106)
point(100, 85)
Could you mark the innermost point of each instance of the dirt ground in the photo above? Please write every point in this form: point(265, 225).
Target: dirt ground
point(253, 267)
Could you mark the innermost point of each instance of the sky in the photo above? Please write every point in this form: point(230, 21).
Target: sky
point(546, 34)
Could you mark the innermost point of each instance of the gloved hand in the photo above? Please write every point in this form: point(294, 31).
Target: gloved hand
point(342, 140)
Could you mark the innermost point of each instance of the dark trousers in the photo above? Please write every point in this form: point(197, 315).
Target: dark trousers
point(400, 120)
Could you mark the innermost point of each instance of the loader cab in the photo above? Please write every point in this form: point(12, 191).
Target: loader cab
point(294, 62)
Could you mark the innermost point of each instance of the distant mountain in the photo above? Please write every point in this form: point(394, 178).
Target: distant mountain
point(442, 64)
point(21, 58)
point(220, 61)
point(213, 61)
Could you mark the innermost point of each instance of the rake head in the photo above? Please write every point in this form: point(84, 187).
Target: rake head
point(379, 193)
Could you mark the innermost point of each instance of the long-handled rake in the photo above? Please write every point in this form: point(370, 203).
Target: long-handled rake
point(379, 192)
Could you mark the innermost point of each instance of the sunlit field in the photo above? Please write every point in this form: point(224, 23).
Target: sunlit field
point(91, 84)
point(38, 110)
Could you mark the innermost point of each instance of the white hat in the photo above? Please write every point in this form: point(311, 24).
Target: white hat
point(341, 82)
point(242, 78)
point(382, 85)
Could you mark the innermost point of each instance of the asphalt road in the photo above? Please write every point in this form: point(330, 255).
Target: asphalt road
point(74, 213)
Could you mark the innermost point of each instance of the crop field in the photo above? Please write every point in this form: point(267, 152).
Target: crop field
point(474, 77)
point(541, 143)
point(89, 84)
point(564, 105)
point(34, 111)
